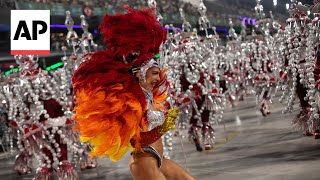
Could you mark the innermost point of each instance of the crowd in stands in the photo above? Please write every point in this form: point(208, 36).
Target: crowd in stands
point(218, 12)
point(7, 4)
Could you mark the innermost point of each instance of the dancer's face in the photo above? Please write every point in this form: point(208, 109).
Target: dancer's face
point(152, 78)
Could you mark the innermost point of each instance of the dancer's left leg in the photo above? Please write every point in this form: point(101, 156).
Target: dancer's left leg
point(173, 171)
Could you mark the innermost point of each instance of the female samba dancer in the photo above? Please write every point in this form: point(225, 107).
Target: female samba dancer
point(119, 95)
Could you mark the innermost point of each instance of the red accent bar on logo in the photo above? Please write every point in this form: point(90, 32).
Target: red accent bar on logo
point(30, 52)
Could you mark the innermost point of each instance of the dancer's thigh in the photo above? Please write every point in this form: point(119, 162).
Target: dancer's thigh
point(173, 171)
point(145, 166)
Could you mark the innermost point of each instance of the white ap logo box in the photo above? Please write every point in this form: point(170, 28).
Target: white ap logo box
point(30, 32)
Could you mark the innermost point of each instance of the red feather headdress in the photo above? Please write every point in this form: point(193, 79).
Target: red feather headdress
point(110, 103)
point(134, 32)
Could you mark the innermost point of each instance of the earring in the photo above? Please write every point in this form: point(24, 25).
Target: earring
point(141, 77)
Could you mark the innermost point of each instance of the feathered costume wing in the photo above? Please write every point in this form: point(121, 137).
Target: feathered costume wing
point(110, 104)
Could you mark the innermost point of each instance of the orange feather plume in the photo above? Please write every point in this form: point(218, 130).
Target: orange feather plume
point(108, 118)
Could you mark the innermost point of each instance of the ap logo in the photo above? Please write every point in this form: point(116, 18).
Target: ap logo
point(30, 32)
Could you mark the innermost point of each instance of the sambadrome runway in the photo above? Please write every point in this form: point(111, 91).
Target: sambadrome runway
point(251, 147)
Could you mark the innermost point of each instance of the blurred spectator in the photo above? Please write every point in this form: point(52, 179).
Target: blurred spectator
point(7, 4)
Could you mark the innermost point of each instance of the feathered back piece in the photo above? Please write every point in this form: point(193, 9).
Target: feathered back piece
point(110, 103)
point(134, 32)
